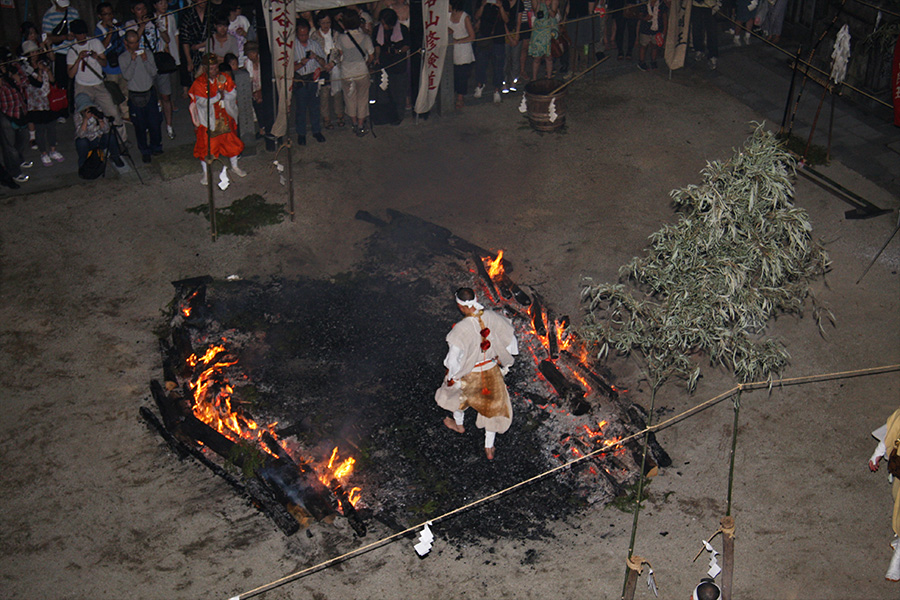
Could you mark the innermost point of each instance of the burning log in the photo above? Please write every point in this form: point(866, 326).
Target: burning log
point(347, 508)
point(503, 286)
point(587, 371)
point(567, 390)
point(520, 296)
point(552, 341)
point(479, 264)
point(537, 316)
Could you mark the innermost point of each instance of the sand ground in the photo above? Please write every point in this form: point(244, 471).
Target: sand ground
point(95, 506)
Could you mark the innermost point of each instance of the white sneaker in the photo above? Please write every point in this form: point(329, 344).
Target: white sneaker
point(46, 160)
point(737, 40)
point(27, 164)
point(56, 156)
point(479, 89)
point(21, 178)
point(698, 55)
point(170, 132)
point(747, 39)
point(713, 63)
point(497, 97)
point(239, 171)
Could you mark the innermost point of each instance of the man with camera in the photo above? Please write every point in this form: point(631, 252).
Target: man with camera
point(93, 133)
point(139, 70)
point(86, 60)
point(309, 59)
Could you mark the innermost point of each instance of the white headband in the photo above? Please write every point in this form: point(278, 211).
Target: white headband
point(473, 303)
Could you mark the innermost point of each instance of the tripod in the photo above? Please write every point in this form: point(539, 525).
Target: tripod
point(123, 149)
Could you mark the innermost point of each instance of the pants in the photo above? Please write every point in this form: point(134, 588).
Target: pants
point(45, 136)
point(706, 36)
point(84, 145)
point(461, 75)
point(513, 64)
point(306, 102)
point(486, 52)
point(327, 102)
point(12, 141)
point(119, 80)
point(398, 90)
point(147, 121)
point(356, 96)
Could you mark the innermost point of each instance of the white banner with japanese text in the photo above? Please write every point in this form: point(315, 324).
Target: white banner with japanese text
point(436, 16)
point(281, 16)
point(677, 37)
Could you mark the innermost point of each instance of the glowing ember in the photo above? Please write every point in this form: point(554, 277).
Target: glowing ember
point(494, 267)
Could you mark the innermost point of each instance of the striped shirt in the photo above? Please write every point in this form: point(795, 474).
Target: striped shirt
point(54, 17)
point(300, 53)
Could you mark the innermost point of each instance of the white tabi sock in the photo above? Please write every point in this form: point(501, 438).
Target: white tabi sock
point(489, 438)
point(458, 416)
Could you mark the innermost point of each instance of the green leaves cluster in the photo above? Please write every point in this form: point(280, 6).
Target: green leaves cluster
point(740, 253)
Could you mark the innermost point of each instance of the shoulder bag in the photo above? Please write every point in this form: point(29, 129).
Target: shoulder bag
point(165, 62)
point(113, 88)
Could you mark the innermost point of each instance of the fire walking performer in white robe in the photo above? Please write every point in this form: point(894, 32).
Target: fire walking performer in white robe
point(482, 346)
point(888, 437)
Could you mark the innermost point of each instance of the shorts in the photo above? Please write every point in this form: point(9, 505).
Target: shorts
point(645, 39)
point(163, 83)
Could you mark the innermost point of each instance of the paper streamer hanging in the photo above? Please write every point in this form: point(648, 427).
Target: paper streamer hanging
point(523, 106)
point(714, 568)
point(840, 56)
point(223, 179)
point(425, 540)
point(651, 583)
point(552, 110)
point(384, 81)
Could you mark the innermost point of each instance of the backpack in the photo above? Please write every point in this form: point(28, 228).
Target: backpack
point(94, 165)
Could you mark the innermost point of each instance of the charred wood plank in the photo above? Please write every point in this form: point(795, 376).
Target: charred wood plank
point(570, 392)
point(520, 296)
point(604, 386)
point(503, 287)
point(181, 343)
point(638, 418)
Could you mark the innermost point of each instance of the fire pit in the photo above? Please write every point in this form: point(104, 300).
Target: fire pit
point(315, 398)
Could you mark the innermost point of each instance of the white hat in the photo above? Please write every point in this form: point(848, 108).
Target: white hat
point(62, 3)
point(28, 47)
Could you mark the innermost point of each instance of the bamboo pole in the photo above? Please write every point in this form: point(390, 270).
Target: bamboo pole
point(727, 525)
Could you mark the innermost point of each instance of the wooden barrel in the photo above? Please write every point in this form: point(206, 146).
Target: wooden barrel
point(539, 97)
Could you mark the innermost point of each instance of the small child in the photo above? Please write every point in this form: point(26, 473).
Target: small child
point(652, 32)
point(238, 26)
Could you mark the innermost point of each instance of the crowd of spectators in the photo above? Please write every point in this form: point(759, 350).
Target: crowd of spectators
point(357, 65)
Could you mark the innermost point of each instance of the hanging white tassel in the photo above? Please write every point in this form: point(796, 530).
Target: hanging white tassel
point(714, 568)
point(552, 110)
point(223, 179)
point(425, 540)
point(384, 81)
point(651, 583)
point(840, 56)
point(523, 106)
point(278, 166)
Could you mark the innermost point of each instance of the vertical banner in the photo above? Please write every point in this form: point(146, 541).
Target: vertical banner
point(677, 37)
point(280, 22)
point(436, 17)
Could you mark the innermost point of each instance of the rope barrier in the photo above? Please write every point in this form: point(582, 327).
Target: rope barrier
point(881, 8)
point(606, 448)
point(808, 65)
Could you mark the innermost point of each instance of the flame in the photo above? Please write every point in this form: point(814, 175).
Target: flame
point(494, 267)
point(329, 472)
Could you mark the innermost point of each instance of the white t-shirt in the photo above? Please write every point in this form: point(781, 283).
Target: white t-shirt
point(84, 75)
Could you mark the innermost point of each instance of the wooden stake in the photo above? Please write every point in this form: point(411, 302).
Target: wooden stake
point(727, 556)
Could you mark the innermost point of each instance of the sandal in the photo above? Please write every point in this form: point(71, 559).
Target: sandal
point(340, 122)
point(328, 125)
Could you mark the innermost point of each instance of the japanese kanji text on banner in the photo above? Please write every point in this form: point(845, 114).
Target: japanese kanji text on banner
point(280, 22)
point(436, 16)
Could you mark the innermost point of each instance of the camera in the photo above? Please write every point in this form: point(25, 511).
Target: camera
point(309, 54)
point(139, 52)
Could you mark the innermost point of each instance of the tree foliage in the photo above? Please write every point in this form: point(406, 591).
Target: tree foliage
point(740, 253)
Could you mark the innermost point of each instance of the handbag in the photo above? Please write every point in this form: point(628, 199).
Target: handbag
point(894, 462)
point(94, 165)
point(58, 98)
point(559, 44)
point(62, 28)
point(165, 63)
